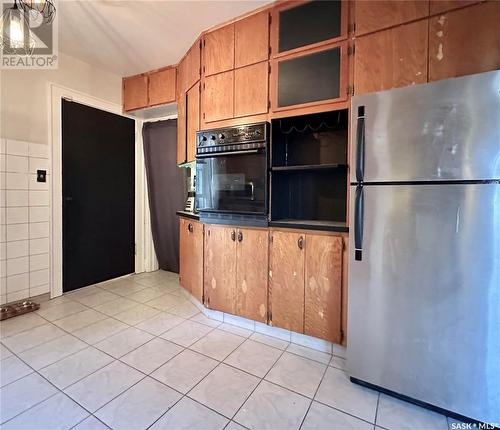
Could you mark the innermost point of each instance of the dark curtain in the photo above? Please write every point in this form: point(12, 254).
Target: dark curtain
point(166, 188)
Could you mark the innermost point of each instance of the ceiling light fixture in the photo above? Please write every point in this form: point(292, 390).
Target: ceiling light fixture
point(45, 8)
point(16, 37)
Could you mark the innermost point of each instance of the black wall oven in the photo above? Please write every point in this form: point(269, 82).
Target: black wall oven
point(231, 173)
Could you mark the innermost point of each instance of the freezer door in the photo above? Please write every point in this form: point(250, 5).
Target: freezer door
point(424, 300)
point(445, 130)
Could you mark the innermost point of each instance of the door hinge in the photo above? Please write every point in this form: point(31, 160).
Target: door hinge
point(203, 69)
point(351, 49)
point(269, 316)
point(271, 237)
point(203, 85)
point(341, 335)
point(269, 67)
point(200, 43)
point(350, 90)
point(199, 71)
point(270, 50)
point(204, 43)
point(270, 18)
point(269, 104)
point(204, 118)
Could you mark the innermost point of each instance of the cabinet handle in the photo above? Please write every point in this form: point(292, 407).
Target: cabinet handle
point(300, 242)
point(240, 236)
point(233, 235)
point(190, 227)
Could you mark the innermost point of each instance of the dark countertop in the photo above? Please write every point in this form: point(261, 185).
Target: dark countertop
point(340, 227)
point(189, 215)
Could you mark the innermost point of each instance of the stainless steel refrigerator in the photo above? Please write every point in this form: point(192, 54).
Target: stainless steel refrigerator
point(424, 267)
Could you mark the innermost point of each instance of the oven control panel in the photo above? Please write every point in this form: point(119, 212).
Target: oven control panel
point(228, 139)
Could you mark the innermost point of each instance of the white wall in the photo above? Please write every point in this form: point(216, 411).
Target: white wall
point(24, 95)
point(25, 219)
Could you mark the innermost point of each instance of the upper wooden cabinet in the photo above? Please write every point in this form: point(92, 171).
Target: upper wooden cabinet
point(189, 69)
point(218, 50)
point(323, 287)
point(192, 120)
point(251, 37)
point(191, 257)
point(236, 271)
point(305, 24)
point(391, 58)
point(162, 86)
point(440, 6)
point(135, 92)
point(181, 129)
point(314, 77)
point(149, 89)
point(218, 97)
point(464, 41)
point(251, 89)
point(377, 15)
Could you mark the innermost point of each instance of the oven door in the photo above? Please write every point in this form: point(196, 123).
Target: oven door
point(232, 183)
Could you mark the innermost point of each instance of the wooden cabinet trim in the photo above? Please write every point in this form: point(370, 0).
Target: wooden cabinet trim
point(274, 30)
point(192, 120)
point(343, 85)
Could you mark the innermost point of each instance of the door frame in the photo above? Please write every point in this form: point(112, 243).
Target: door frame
point(145, 258)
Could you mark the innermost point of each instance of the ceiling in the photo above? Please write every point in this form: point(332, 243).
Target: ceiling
point(130, 37)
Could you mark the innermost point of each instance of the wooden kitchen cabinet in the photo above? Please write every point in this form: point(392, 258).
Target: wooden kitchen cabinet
point(181, 128)
point(192, 120)
point(218, 96)
point(191, 257)
point(377, 15)
point(251, 89)
point(189, 69)
point(162, 85)
point(313, 77)
point(440, 6)
point(220, 268)
point(251, 274)
point(218, 50)
point(135, 92)
point(251, 37)
point(464, 41)
point(391, 58)
point(236, 271)
point(286, 280)
point(323, 287)
point(305, 283)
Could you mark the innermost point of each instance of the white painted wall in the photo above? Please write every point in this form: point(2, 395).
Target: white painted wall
point(24, 95)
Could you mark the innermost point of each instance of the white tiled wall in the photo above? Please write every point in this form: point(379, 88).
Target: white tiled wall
point(24, 220)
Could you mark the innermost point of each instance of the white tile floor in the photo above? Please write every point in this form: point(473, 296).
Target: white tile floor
point(134, 354)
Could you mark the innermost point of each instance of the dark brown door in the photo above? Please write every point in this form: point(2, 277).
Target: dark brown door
point(98, 184)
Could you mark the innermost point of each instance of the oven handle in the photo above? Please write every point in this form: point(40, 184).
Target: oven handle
point(221, 154)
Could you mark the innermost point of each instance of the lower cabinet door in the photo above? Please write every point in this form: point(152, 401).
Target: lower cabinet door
point(323, 287)
point(286, 280)
point(184, 254)
point(251, 274)
point(220, 268)
point(196, 270)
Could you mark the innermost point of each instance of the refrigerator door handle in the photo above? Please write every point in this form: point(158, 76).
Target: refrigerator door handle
point(360, 149)
point(358, 223)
